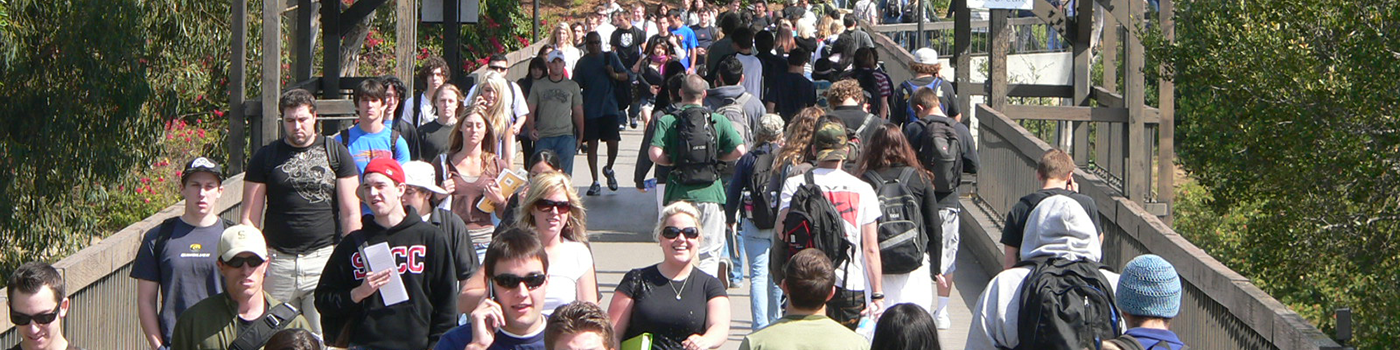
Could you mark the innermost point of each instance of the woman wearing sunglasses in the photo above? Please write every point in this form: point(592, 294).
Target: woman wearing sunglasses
point(681, 307)
point(552, 210)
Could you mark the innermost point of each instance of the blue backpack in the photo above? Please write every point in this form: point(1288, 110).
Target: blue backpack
point(908, 90)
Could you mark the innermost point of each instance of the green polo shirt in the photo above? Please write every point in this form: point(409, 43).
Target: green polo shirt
point(800, 332)
point(666, 136)
point(213, 323)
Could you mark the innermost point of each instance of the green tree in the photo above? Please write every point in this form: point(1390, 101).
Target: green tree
point(1287, 116)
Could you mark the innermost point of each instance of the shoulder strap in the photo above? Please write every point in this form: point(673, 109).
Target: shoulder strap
point(163, 233)
point(905, 175)
point(811, 179)
point(743, 99)
point(255, 335)
point(394, 143)
point(875, 176)
point(331, 156)
point(863, 124)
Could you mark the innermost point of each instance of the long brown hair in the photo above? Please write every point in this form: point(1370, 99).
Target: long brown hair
point(488, 143)
point(798, 136)
point(889, 148)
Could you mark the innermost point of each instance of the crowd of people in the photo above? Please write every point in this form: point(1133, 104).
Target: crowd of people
point(414, 230)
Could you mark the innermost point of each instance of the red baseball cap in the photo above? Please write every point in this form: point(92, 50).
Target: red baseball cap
point(386, 166)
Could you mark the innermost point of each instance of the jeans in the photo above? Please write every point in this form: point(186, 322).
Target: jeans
point(563, 146)
point(764, 297)
point(734, 253)
point(292, 278)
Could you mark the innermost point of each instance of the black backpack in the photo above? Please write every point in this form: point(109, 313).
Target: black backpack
point(942, 153)
point(813, 222)
point(893, 8)
point(1066, 304)
point(1128, 342)
point(853, 142)
point(697, 154)
point(762, 192)
point(901, 223)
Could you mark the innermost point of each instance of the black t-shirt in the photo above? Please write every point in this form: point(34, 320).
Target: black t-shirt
point(649, 77)
point(301, 204)
point(433, 140)
point(790, 93)
point(1015, 228)
point(656, 310)
point(705, 36)
point(627, 43)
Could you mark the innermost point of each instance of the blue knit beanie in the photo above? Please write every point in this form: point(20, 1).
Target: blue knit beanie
point(1149, 287)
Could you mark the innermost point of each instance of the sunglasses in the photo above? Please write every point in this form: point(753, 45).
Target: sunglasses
point(499, 68)
point(532, 281)
point(237, 262)
point(20, 319)
point(671, 232)
point(549, 206)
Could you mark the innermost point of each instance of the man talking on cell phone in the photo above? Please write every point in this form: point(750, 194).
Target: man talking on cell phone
point(518, 268)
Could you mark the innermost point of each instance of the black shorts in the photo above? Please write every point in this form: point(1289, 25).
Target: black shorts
point(601, 129)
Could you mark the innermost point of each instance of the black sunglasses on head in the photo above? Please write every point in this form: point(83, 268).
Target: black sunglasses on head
point(532, 281)
point(20, 319)
point(237, 262)
point(671, 232)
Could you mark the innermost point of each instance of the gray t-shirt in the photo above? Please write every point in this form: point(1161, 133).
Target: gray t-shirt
point(554, 103)
point(185, 268)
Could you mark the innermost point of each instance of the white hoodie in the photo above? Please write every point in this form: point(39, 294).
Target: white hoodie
point(1057, 227)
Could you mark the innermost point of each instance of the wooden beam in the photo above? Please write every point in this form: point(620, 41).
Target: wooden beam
point(406, 37)
point(1052, 16)
point(1067, 113)
point(962, 58)
point(1108, 99)
point(937, 26)
point(1001, 44)
point(324, 108)
point(237, 86)
point(302, 43)
point(1166, 97)
point(1139, 170)
point(1118, 11)
point(330, 50)
point(271, 70)
point(983, 88)
point(1083, 65)
point(356, 13)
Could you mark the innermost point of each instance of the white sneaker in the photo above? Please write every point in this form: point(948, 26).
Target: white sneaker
point(942, 321)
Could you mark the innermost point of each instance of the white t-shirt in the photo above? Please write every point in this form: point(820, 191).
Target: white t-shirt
point(605, 31)
point(425, 106)
point(858, 206)
point(567, 265)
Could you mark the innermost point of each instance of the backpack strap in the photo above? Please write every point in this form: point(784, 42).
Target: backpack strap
point(1128, 342)
point(875, 176)
point(811, 179)
point(394, 143)
point(863, 125)
point(905, 175)
point(163, 233)
point(331, 157)
point(255, 335)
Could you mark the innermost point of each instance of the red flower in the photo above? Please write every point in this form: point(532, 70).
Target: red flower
point(219, 113)
point(201, 132)
point(145, 180)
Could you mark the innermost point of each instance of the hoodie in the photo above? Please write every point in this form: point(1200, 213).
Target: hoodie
point(1057, 227)
point(721, 96)
point(427, 268)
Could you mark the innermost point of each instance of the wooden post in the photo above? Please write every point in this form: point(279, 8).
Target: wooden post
point(1110, 139)
point(271, 69)
point(1166, 95)
point(962, 61)
point(1083, 60)
point(406, 30)
point(1001, 43)
point(330, 58)
point(238, 72)
point(302, 44)
point(451, 42)
point(1139, 168)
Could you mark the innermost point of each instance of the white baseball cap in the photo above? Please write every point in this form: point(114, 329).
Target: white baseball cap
point(555, 55)
point(239, 239)
point(926, 56)
point(421, 174)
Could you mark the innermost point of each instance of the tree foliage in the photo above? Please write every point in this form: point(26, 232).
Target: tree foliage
point(1287, 116)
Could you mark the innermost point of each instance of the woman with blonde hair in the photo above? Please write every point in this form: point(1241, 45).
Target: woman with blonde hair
point(471, 167)
point(493, 94)
point(679, 305)
point(563, 40)
point(795, 152)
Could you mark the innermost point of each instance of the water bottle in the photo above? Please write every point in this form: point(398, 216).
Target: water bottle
point(748, 205)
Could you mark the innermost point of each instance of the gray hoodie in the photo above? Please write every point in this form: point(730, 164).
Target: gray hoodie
point(724, 95)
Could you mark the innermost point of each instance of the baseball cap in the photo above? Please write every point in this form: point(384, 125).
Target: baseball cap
point(926, 56)
point(240, 239)
point(386, 166)
point(830, 142)
point(421, 174)
point(769, 127)
point(1149, 286)
point(555, 55)
point(202, 165)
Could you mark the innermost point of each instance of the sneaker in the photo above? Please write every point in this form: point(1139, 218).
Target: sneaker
point(612, 178)
point(634, 123)
point(942, 321)
point(594, 190)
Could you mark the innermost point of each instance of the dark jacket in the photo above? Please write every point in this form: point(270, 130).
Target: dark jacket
point(426, 266)
point(743, 170)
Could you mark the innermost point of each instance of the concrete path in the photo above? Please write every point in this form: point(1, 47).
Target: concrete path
point(620, 224)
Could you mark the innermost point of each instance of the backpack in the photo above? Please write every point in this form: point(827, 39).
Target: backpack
point(393, 141)
point(697, 154)
point(1065, 304)
point(853, 144)
point(167, 229)
point(941, 150)
point(734, 110)
point(909, 88)
point(332, 157)
point(900, 227)
point(813, 222)
point(622, 90)
point(1128, 342)
point(764, 212)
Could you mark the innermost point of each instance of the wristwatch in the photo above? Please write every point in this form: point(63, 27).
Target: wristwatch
point(877, 296)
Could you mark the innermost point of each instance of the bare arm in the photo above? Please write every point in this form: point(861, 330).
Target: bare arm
point(1009, 259)
point(473, 290)
point(620, 312)
point(147, 307)
point(658, 156)
point(770, 107)
point(578, 124)
point(588, 286)
point(870, 244)
point(349, 204)
point(716, 323)
point(254, 199)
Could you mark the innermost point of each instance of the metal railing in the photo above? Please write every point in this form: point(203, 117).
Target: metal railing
point(102, 295)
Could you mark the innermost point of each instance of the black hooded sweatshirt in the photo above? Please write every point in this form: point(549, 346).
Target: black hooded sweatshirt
point(426, 266)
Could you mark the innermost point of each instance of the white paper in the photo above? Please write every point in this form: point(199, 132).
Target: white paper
point(380, 258)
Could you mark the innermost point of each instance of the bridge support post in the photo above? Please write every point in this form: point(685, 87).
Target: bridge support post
point(271, 72)
point(406, 35)
point(1083, 61)
point(1166, 105)
point(962, 57)
point(1139, 169)
point(238, 71)
point(1000, 33)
